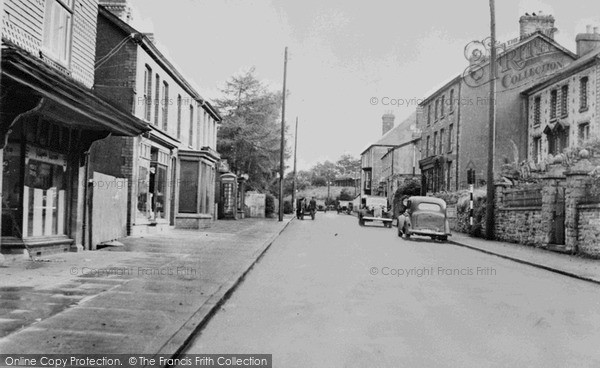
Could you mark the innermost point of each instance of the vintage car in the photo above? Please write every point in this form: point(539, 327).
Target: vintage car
point(303, 208)
point(375, 208)
point(424, 216)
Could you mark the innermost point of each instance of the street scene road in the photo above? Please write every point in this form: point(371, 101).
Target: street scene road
point(329, 293)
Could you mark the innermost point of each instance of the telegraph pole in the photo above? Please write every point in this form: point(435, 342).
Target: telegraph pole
point(282, 148)
point(489, 212)
point(295, 152)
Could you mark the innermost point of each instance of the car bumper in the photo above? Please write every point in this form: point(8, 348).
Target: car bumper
point(371, 218)
point(427, 232)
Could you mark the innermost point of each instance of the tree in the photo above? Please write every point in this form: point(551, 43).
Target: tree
point(348, 166)
point(250, 133)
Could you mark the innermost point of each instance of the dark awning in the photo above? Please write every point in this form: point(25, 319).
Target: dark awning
point(72, 104)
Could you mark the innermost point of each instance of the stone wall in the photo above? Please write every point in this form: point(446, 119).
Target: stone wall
point(588, 236)
point(520, 225)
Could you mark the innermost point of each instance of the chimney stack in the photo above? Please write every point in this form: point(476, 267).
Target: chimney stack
point(388, 122)
point(120, 8)
point(150, 37)
point(531, 23)
point(587, 42)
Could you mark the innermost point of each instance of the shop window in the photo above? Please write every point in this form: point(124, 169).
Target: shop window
point(188, 187)
point(143, 202)
point(58, 17)
point(13, 191)
point(158, 188)
point(44, 197)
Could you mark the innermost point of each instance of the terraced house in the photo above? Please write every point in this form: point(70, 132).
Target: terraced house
point(171, 170)
point(563, 110)
point(49, 119)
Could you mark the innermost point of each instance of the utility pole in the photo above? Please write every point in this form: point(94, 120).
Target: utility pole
point(489, 211)
point(294, 182)
point(282, 148)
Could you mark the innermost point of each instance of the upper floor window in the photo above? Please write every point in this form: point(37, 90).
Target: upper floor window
point(147, 93)
point(435, 138)
point(191, 137)
point(583, 93)
point(451, 102)
point(58, 20)
point(429, 115)
point(450, 138)
point(427, 147)
point(442, 106)
point(156, 99)
point(165, 106)
point(178, 116)
point(437, 103)
point(553, 103)
point(564, 100)
point(442, 136)
point(537, 102)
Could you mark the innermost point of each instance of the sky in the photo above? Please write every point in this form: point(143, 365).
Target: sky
point(348, 63)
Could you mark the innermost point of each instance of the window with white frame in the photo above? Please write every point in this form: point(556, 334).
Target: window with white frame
point(58, 19)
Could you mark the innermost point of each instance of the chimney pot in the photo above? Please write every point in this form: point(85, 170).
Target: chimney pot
point(595, 30)
point(588, 29)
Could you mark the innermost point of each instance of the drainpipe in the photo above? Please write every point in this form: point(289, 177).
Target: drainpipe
point(84, 227)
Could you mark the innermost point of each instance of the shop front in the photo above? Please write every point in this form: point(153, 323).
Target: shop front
point(153, 184)
point(196, 188)
point(48, 125)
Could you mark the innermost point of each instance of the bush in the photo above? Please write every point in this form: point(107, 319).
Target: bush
point(408, 188)
point(287, 207)
point(345, 195)
point(269, 205)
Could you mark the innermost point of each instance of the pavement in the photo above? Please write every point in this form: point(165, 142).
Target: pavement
point(149, 296)
point(569, 265)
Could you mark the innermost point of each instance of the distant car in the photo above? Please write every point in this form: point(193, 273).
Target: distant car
point(424, 216)
point(303, 209)
point(373, 209)
point(321, 205)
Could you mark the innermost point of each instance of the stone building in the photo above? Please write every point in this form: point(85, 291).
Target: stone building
point(386, 161)
point(172, 168)
point(50, 118)
point(563, 109)
point(439, 124)
point(521, 62)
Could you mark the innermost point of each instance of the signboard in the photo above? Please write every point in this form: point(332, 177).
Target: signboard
point(451, 212)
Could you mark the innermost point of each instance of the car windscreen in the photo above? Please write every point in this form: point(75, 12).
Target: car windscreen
point(428, 207)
